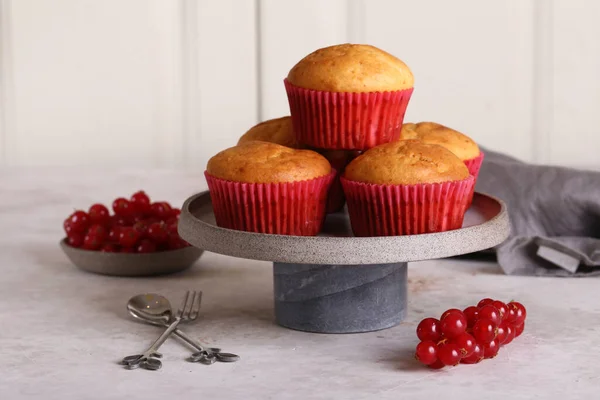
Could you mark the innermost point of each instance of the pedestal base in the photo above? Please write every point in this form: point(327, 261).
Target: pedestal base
point(340, 298)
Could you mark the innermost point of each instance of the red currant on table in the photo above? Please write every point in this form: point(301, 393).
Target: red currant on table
point(472, 314)
point(484, 331)
point(502, 308)
point(520, 313)
point(519, 329)
point(128, 237)
point(426, 352)
point(490, 350)
point(79, 221)
point(475, 357)
point(141, 202)
point(510, 334)
point(450, 311)
point(490, 312)
point(436, 365)
point(99, 214)
point(429, 329)
point(453, 324)
point(466, 343)
point(75, 239)
point(122, 207)
point(485, 302)
point(448, 353)
point(158, 233)
point(146, 246)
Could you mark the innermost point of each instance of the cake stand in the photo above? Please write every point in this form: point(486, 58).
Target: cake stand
point(337, 283)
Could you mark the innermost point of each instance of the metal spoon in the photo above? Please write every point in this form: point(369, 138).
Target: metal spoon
point(156, 310)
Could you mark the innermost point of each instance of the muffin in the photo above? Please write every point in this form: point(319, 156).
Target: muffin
point(460, 144)
point(268, 188)
point(277, 130)
point(406, 187)
point(348, 97)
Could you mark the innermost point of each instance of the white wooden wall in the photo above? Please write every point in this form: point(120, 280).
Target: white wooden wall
point(169, 83)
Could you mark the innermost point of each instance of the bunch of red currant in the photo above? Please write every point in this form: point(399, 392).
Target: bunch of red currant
point(469, 336)
point(137, 226)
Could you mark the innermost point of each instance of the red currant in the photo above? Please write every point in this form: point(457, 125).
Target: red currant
point(172, 228)
point(176, 243)
point(510, 314)
point(510, 334)
point(437, 365)
point(502, 308)
point(466, 343)
point(520, 313)
point(485, 302)
point(128, 237)
point(99, 214)
point(122, 207)
point(141, 202)
point(426, 352)
point(113, 234)
point(175, 213)
point(110, 248)
point(158, 233)
point(98, 231)
point(146, 246)
point(450, 311)
point(490, 312)
point(79, 221)
point(161, 210)
point(491, 349)
point(475, 357)
point(75, 239)
point(502, 331)
point(92, 242)
point(67, 226)
point(429, 329)
point(484, 331)
point(142, 228)
point(127, 250)
point(453, 324)
point(472, 314)
point(448, 353)
point(116, 220)
point(519, 329)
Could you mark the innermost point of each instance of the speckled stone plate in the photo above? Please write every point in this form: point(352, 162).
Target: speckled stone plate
point(486, 225)
point(119, 264)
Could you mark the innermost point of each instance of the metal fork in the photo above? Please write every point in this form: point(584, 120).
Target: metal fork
point(189, 311)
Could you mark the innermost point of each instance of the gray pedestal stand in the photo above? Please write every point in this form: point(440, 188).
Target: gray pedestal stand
point(337, 283)
point(339, 298)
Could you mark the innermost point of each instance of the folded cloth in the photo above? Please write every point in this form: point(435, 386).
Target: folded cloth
point(554, 214)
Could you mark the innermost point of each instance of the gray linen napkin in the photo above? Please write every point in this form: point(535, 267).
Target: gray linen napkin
point(554, 213)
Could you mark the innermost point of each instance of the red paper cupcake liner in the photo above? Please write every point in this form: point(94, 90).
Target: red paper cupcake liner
point(336, 198)
point(392, 210)
point(346, 121)
point(474, 165)
point(292, 208)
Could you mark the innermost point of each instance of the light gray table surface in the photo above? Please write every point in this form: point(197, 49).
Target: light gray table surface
point(63, 330)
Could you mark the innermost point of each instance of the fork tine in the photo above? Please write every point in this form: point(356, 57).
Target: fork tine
point(181, 310)
point(190, 306)
point(196, 306)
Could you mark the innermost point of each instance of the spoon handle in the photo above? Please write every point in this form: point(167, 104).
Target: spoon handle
point(161, 339)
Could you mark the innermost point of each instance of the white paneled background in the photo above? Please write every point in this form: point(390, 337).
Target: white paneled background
point(159, 83)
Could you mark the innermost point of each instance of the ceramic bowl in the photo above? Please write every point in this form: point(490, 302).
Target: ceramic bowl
point(123, 264)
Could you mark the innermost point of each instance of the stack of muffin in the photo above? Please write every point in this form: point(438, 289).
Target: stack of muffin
point(345, 142)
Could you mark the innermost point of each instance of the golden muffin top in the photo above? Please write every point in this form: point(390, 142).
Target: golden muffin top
point(460, 144)
point(351, 68)
point(277, 130)
point(263, 162)
point(406, 162)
